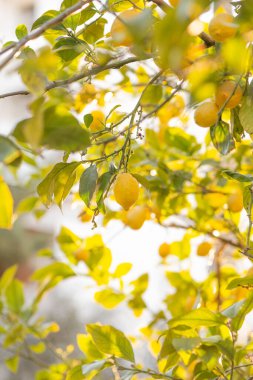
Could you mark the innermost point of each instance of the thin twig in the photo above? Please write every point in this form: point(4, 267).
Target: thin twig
point(84, 74)
point(14, 93)
point(209, 233)
point(39, 31)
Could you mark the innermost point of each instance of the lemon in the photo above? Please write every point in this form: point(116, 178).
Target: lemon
point(82, 254)
point(235, 201)
point(126, 190)
point(164, 250)
point(174, 3)
point(206, 114)
point(135, 217)
point(224, 92)
point(204, 249)
point(120, 32)
point(222, 27)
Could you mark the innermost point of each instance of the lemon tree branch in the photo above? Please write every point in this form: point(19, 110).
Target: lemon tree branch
point(39, 31)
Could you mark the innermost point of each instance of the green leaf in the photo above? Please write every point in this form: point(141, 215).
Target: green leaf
point(58, 183)
point(6, 206)
point(152, 95)
point(109, 298)
point(222, 138)
point(75, 373)
point(62, 131)
point(79, 18)
point(246, 307)
point(27, 205)
point(10, 154)
point(38, 348)
point(48, 15)
point(68, 241)
point(238, 176)
point(186, 344)
point(247, 199)
point(55, 269)
point(21, 31)
point(88, 182)
point(227, 348)
point(68, 48)
point(246, 114)
point(15, 296)
point(238, 311)
point(88, 348)
point(111, 341)
point(88, 119)
point(241, 281)
point(103, 183)
point(7, 277)
point(236, 124)
point(33, 128)
point(198, 317)
point(94, 31)
point(67, 4)
point(13, 363)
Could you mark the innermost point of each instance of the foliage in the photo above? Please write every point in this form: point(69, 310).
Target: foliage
point(165, 62)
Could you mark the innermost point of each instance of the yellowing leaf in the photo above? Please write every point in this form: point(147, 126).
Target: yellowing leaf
point(111, 341)
point(122, 270)
point(6, 205)
point(109, 298)
point(198, 317)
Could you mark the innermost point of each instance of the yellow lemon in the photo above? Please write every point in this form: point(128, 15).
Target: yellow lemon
point(126, 190)
point(235, 201)
point(120, 33)
point(222, 27)
point(174, 3)
point(225, 91)
point(204, 249)
point(164, 250)
point(82, 254)
point(135, 217)
point(206, 114)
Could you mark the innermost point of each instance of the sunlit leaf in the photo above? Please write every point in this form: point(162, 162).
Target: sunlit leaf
point(111, 341)
point(6, 206)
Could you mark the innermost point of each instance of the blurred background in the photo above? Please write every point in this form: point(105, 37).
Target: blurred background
point(30, 235)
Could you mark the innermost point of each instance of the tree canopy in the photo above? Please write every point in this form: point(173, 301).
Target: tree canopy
point(147, 106)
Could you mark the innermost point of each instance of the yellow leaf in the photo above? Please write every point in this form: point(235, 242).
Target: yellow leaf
point(6, 205)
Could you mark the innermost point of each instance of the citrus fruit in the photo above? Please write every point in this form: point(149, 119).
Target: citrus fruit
point(82, 254)
point(228, 90)
point(235, 201)
point(222, 27)
point(164, 250)
point(203, 249)
point(174, 3)
point(206, 114)
point(126, 190)
point(120, 32)
point(135, 217)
